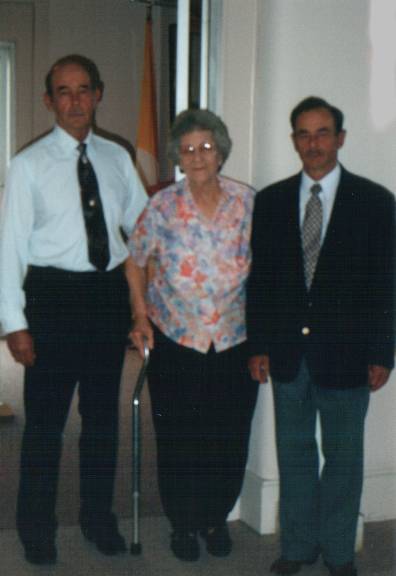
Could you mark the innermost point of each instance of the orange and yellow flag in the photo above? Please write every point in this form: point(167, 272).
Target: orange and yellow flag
point(147, 139)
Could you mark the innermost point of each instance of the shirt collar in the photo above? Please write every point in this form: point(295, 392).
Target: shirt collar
point(66, 141)
point(329, 183)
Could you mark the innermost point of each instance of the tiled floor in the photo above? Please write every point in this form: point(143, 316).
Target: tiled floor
point(252, 555)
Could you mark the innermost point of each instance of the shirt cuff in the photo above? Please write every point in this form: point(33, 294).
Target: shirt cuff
point(13, 323)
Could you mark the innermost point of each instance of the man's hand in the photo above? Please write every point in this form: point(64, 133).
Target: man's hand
point(259, 367)
point(377, 376)
point(21, 346)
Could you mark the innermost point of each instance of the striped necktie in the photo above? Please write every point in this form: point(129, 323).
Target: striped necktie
point(311, 233)
point(95, 225)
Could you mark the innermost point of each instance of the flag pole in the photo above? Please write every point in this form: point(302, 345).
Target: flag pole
point(204, 68)
point(183, 54)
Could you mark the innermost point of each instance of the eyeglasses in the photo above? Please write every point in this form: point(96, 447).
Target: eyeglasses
point(204, 148)
point(321, 135)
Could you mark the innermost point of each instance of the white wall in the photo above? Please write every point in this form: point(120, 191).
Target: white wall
point(323, 48)
point(16, 26)
point(113, 38)
point(235, 82)
point(276, 52)
point(109, 32)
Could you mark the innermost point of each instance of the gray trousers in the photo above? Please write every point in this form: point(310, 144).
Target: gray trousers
point(319, 508)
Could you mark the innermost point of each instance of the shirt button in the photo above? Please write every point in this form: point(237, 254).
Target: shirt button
point(305, 331)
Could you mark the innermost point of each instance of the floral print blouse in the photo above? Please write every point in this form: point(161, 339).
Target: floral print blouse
point(196, 295)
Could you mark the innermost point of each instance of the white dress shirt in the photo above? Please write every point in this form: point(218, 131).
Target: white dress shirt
point(42, 223)
point(329, 186)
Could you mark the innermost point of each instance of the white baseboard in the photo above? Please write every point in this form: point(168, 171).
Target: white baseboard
point(235, 513)
point(379, 496)
point(258, 503)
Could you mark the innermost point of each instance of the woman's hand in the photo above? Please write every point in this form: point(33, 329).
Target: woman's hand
point(141, 331)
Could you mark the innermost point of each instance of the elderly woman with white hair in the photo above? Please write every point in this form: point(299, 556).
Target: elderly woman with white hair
point(190, 257)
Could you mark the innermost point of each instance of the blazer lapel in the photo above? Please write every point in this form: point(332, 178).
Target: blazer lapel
point(338, 220)
point(293, 209)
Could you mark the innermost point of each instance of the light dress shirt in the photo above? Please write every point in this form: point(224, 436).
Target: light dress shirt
point(42, 222)
point(327, 196)
point(197, 293)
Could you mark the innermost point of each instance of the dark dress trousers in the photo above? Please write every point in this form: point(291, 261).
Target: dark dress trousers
point(79, 322)
point(202, 406)
point(320, 344)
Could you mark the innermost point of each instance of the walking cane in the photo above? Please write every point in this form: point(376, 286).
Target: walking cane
point(136, 547)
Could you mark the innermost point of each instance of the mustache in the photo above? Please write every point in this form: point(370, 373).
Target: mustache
point(313, 153)
point(76, 112)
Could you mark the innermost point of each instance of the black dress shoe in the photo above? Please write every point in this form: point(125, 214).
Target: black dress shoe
point(218, 541)
point(106, 536)
point(285, 567)
point(184, 545)
point(347, 569)
point(41, 552)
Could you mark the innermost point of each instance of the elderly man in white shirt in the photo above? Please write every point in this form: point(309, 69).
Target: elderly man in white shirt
point(64, 303)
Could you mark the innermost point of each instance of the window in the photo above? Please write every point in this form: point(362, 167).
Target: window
point(6, 108)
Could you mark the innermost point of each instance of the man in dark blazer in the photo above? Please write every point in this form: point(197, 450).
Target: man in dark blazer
point(320, 323)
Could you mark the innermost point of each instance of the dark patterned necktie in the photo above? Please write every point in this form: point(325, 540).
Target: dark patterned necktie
point(95, 225)
point(311, 233)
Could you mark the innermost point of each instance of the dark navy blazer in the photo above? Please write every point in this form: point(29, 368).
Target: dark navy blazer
point(345, 322)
